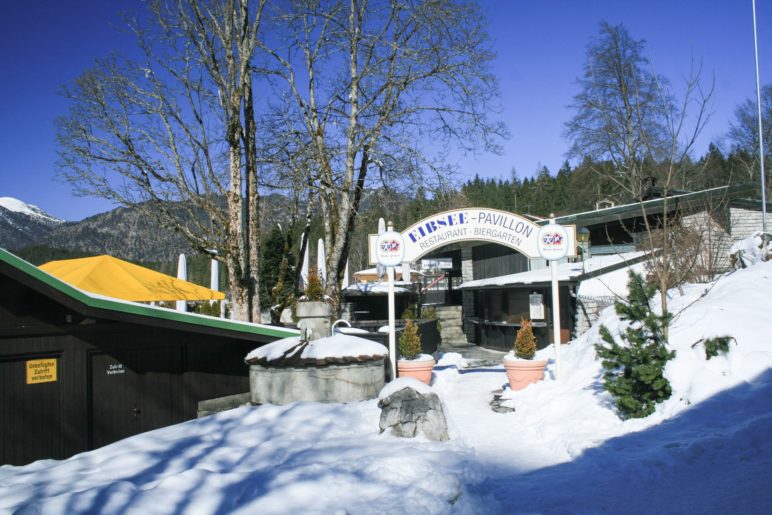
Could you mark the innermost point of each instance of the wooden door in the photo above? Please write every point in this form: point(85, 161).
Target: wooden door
point(30, 409)
point(114, 410)
point(159, 387)
point(133, 390)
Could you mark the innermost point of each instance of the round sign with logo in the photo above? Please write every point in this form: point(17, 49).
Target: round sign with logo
point(390, 248)
point(553, 242)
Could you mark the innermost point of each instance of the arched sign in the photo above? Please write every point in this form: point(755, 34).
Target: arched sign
point(469, 224)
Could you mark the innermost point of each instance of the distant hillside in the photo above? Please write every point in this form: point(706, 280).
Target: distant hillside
point(122, 232)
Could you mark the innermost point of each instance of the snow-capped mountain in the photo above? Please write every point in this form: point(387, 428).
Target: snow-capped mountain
point(17, 206)
point(22, 224)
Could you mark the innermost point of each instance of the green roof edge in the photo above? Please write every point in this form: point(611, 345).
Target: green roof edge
point(136, 309)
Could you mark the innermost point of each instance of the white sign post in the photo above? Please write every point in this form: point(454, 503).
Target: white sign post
point(390, 251)
point(553, 246)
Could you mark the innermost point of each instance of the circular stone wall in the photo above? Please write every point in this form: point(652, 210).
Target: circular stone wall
point(326, 383)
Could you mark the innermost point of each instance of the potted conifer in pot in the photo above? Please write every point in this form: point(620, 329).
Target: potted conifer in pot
point(411, 362)
point(521, 368)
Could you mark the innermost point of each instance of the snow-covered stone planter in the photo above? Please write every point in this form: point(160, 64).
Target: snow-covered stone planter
point(340, 368)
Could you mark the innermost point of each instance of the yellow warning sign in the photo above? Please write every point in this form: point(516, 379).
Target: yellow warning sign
point(41, 371)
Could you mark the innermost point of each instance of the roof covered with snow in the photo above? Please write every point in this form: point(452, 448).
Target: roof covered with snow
point(335, 349)
point(591, 267)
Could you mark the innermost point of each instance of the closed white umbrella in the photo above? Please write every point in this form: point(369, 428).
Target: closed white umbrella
point(182, 273)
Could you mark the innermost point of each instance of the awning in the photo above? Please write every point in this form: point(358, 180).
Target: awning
point(113, 277)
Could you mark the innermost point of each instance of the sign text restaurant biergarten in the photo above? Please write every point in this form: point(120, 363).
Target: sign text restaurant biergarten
point(468, 224)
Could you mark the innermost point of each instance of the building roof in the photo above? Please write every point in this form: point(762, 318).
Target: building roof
point(99, 306)
point(116, 278)
point(567, 272)
point(654, 206)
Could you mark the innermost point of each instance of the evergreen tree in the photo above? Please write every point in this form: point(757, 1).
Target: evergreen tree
point(273, 246)
point(314, 288)
point(525, 341)
point(410, 341)
point(634, 373)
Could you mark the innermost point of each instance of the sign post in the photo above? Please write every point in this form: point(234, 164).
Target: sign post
point(553, 246)
point(392, 323)
point(390, 251)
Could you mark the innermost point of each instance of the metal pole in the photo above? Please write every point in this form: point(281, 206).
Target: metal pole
point(392, 324)
point(761, 139)
point(555, 311)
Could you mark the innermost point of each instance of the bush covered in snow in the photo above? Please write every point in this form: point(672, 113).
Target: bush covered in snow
point(717, 345)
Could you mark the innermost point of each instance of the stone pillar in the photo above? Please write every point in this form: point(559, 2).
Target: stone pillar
point(467, 297)
point(314, 319)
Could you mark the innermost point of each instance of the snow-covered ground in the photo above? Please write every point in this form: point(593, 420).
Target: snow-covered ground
point(708, 449)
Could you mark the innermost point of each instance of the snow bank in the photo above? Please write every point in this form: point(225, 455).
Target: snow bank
point(750, 251)
point(404, 382)
point(611, 284)
point(452, 359)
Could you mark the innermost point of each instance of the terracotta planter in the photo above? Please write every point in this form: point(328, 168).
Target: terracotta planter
point(522, 372)
point(421, 369)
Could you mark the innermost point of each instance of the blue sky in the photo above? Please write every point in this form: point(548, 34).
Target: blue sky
point(540, 46)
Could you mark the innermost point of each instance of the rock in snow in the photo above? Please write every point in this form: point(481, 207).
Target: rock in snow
point(408, 412)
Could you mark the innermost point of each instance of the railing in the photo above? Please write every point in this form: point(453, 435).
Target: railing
point(435, 281)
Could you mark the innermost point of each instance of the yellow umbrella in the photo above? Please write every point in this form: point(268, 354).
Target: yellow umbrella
point(120, 279)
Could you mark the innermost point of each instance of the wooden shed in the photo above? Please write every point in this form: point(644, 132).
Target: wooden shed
point(79, 371)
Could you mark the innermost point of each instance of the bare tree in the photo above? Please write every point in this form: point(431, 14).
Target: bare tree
point(698, 239)
point(376, 87)
point(682, 128)
point(620, 112)
point(630, 115)
point(174, 134)
point(744, 132)
point(285, 162)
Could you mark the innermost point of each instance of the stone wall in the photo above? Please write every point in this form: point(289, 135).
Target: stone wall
point(212, 406)
point(588, 309)
point(330, 383)
point(744, 222)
